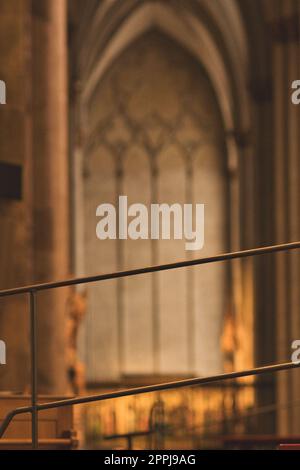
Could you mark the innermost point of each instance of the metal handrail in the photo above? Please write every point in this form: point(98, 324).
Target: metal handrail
point(32, 289)
point(146, 389)
point(151, 269)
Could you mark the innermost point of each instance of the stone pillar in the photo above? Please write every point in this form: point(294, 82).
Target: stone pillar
point(15, 215)
point(51, 191)
point(285, 29)
point(293, 184)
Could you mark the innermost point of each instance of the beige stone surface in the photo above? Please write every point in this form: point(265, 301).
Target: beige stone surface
point(153, 115)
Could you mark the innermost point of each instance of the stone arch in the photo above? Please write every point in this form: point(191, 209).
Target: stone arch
point(202, 29)
point(192, 26)
point(156, 105)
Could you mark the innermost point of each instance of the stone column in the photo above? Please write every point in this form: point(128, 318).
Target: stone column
point(51, 191)
point(15, 215)
point(293, 183)
point(285, 28)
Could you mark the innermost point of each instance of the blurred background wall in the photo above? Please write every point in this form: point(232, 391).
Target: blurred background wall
point(167, 100)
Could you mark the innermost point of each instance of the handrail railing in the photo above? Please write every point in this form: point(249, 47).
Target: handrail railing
point(146, 389)
point(151, 269)
point(32, 289)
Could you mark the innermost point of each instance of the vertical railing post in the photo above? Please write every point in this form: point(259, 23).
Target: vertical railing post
point(33, 352)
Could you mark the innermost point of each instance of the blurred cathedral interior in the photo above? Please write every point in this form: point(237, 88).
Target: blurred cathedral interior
point(167, 101)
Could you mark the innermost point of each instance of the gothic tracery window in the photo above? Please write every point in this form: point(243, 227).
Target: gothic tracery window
point(155, 134)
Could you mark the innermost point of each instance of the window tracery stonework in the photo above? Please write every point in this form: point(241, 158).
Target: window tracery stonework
point(154, 133)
